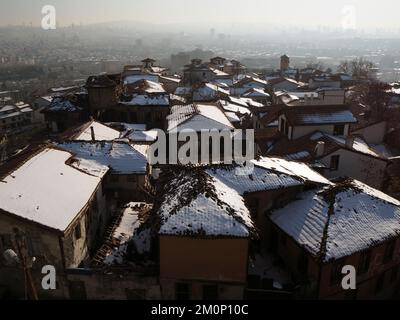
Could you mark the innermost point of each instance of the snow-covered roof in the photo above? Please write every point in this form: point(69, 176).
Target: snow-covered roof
point(138, 77)
point(255, 92)
point(143, 136)
point(319, 115)
point(148, 100)
point(126, 231)
point(101, 132)
point(145, 86)
point(183, 91)
point(95, 157)
point(334, 222)
point(198, 116)
point(47, 190)
point(230, 107)
point(358, 144)
point(232, 117)
point(260, 179)
point(195, 203)
point(295, 169)
point(62, 104)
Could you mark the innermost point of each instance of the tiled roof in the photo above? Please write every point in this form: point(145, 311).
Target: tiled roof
point(313, 115)
point(334, 222)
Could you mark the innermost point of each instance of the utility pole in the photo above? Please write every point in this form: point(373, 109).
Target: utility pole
point(23, 257)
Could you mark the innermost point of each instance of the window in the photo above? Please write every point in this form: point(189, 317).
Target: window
point(334, 166)
point(34, 246)
point(389, 251)
point(114, 178)
point(365, 259)
point(338, 130)
point(78, 231)
point(182, 291)
point(210, 292)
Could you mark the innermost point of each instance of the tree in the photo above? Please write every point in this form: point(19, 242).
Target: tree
point(360, 68)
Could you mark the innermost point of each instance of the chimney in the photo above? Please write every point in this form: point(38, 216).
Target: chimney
point(92, 133)
point(320, 149)
point(349, 141)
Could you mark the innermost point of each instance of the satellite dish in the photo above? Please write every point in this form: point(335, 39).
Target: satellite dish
point(11, 257)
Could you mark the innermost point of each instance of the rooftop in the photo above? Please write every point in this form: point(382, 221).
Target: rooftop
point(47, 190)
point(338, 221)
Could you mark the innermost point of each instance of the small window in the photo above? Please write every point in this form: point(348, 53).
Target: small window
point(334, 166)
point(389, 251)
point(182, 291)
point(338, 130)
point(210, 292)
point(78, 231)
point(365, 260)
point(34, 245)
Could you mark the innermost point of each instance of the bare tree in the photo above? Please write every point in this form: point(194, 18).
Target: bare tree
point(360, 68)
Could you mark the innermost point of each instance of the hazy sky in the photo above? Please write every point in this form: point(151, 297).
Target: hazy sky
point(210, 13)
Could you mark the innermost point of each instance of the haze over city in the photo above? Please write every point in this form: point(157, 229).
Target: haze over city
point(199, 150)
point(233, 15)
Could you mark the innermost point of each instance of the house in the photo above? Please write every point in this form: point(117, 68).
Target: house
point(91, 131)
point(209, 92)
point(143, 101)
point(203, 238)
point(320, 97)
point(336, 156)
point(193, 231)
point(197, 117)
point(101, 93)
point(170, 83)
point(295, 122)
point(126, 163)
point(64, 112)
point(271, 183)
point(197, 72)
point(15, 118)
point(242, 86)
point(258, 95)
point(146, 71)
point(329, 81)
point(324, 229)
point(283, 83)
point(59, 209)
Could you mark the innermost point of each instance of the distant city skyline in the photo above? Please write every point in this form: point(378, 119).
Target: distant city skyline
point(227, 14)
